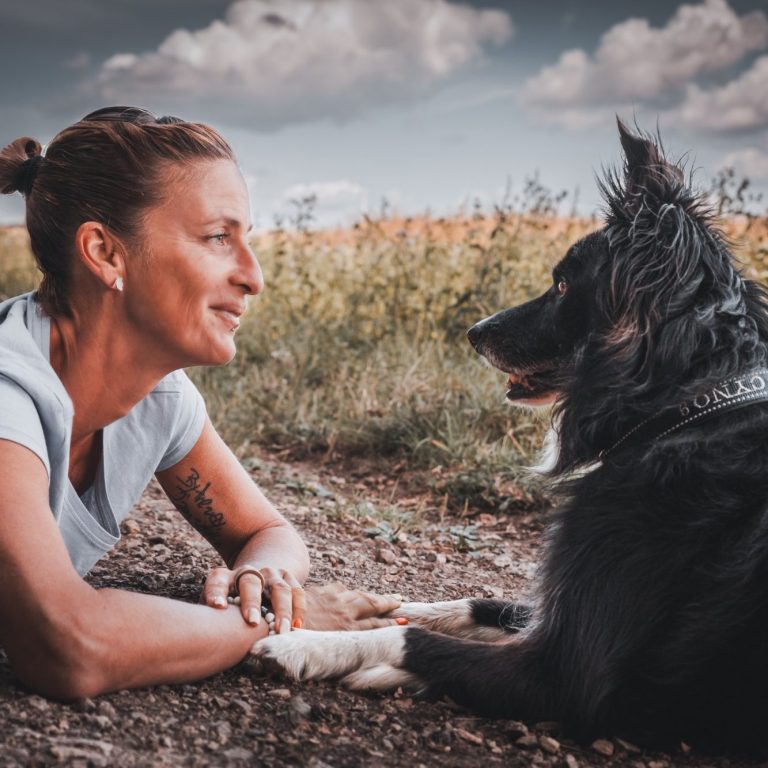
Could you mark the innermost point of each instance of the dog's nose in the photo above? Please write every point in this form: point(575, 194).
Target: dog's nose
point(475, 334)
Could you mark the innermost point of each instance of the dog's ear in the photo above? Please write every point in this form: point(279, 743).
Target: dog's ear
point(638, 151)
point(647, 174)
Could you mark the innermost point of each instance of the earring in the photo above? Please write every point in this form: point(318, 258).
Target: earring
point(118, 285)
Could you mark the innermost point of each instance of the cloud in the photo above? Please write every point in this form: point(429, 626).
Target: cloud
point(268, 63)
point(750, 162)
point(636, 63)
point(79, 61)
point(741, 105)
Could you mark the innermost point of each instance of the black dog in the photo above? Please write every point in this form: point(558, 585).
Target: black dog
point(651, 613)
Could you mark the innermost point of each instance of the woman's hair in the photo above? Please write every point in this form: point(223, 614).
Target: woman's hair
point(110, 167)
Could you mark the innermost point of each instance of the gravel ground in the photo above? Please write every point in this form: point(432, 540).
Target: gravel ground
point(241, 718)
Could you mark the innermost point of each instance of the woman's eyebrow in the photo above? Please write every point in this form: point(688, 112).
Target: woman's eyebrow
point(235, 223)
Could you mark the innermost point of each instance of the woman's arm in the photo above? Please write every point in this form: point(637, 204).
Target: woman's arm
point(216, 495)
point(67, 640)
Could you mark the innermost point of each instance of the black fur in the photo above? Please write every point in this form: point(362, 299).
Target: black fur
point(651, 617)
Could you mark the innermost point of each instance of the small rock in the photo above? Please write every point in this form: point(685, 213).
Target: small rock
point(131, 527)
point(316, 762)
point(300, 711)
point(84, 705)
point(472, 738)
point(628, 746)
point(658, 764)
point(242, 706)
point(281, 693)
point(604, 747)
point(527, 741)
point(238, 753)
point(385, 555)
point(106, 709)
point(571, 761)
point(515, 729)
point(548, 744)
point(39, 703)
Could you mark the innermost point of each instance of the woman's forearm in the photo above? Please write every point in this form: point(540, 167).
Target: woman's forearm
point(129, 640)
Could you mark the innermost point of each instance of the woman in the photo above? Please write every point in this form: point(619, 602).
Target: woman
point(140, 228)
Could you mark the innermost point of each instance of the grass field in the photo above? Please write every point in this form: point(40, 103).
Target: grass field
point(357, 346)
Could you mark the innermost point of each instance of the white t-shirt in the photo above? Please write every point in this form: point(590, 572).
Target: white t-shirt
point(36, 412)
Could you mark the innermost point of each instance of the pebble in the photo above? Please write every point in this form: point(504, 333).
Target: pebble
point(385, 555)
point(515, 729)
point(131, 527)
point(281, 693)
point(472, 738)
point(604, 747)
point(628, 746)
point(527, 741)
point(300, 711)
point(548, 744)
point(243, 706)
point(38, 702)
point(106, 709)
point(571, 761)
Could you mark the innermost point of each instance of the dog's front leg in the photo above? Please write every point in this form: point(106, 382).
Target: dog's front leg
point(474, 619)
point(491, 678)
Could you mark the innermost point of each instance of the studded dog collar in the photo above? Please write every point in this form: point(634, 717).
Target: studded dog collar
point(727, 395)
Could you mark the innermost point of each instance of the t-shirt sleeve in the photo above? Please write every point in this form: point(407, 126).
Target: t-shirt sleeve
point(189, 422)
point(20, 421)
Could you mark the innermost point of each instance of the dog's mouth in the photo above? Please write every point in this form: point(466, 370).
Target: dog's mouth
point(532, 385)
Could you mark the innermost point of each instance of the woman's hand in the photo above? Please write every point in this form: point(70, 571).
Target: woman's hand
point(285, 594)
point(334, 607)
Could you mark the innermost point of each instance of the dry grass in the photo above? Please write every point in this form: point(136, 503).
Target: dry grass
point(357, 346)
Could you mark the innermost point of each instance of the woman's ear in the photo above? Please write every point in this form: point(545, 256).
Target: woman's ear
point(101, 253)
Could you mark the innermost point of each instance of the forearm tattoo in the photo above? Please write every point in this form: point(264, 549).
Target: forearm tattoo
point(192, 500)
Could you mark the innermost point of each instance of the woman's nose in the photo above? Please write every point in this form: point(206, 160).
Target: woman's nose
point(251, 277)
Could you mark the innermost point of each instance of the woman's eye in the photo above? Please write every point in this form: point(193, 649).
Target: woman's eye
point(562, 287)
point(220, 238)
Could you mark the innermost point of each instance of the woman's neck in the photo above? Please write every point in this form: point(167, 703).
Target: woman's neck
point(103, 372)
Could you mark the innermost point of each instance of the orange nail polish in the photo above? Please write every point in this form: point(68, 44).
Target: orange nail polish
point(298, 623)
point(401, 620)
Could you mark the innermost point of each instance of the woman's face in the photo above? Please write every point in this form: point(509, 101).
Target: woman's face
point(186, 296)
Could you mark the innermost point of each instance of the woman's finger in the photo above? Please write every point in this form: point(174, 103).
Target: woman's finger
point(217, 587)
point(299, 606)
point(250, 597)
point(298, 601)
point(376, 623)
point(281, 597)
point(367, 604)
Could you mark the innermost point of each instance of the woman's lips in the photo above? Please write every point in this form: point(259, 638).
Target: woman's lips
point(230, 316)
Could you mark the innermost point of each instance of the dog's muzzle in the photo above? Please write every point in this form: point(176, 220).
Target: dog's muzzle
point(479, 333)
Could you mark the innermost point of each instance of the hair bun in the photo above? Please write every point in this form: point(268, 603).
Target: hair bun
point(19, 163)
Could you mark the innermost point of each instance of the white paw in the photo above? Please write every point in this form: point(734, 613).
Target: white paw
point(382, 677)
point(307, 655)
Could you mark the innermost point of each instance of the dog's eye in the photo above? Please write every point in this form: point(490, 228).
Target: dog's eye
point(562, 287)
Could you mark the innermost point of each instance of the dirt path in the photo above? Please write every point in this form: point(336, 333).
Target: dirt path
point(240, 718)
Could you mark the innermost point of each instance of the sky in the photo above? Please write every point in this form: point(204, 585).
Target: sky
point(406, 106)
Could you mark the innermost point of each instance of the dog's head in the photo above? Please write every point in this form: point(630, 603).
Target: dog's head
point(638, 314)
